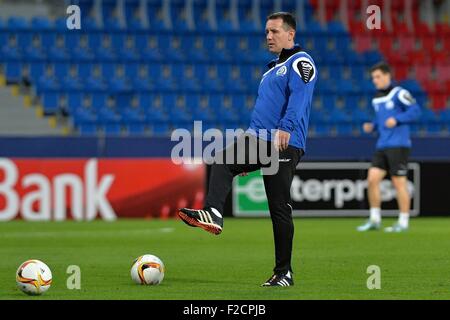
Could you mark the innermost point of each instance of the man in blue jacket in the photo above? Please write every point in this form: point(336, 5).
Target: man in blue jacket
point(280, 119)
point(395, 109)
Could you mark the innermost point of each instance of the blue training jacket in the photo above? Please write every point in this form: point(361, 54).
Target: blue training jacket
point(284, 96)
point(398, 103)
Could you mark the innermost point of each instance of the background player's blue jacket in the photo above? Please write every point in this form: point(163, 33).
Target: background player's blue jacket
point(398, 103)
point(284, 96)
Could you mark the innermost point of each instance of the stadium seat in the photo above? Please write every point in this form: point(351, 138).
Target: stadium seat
point(214, 67)
point(50, 102)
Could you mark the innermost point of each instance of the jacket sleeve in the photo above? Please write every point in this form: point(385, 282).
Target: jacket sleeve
point(301, 76)
point(375, 125)
point(411, 109)
point(374, 120)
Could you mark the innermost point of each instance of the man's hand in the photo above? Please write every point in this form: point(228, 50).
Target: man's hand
point(243, 174)
point(368, 127)
point(281, 141)
point(391, 122)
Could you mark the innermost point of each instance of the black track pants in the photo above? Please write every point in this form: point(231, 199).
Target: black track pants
point(277, 187)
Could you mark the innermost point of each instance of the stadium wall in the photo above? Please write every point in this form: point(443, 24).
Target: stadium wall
point(86, 178)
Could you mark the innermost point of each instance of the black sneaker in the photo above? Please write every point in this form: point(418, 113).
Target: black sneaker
point(279, 280)
point(208, 219)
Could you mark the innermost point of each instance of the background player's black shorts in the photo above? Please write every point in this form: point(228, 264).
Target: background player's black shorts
point(393, 160)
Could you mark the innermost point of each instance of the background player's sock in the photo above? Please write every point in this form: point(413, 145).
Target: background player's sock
point(403, 219)
point(375, 215)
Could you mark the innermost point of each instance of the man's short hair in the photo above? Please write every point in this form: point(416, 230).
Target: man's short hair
point(382, 66)
point(288, 19)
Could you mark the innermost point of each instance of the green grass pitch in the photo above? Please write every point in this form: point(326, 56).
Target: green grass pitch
point(330, 259)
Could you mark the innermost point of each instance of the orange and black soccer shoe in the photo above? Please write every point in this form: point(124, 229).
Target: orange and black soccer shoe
point(208, 219)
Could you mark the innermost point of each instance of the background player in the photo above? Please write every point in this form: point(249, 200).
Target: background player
point(395, 109)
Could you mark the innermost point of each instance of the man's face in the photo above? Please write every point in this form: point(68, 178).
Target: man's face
point(277, 37)
point(380, 79)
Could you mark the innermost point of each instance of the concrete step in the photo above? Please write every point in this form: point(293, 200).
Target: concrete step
point(16, 119)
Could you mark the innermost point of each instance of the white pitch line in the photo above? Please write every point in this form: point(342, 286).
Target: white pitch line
point(84, 233)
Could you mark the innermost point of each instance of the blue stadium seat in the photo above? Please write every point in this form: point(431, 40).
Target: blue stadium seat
point(10, 51)
point(99, 100)
point(16, 23)
point(203, 110)
point(74, 101)
point(159, 129)
point(361, 116)
point(118, 85)
point(87, 129)
point(3, 35)
point(246, 21)
point(200, 16)
point(339, 116)
point(36, 71)
point(266, 7)
point(319, 116)
point(110, 21)
point(156, 15)
point(322, 129)
point(143, 83)
point(351, 102)
point(132, 15)
point(359, 72)
point(328, 102)
point(128, 52)
point(13, 71)
point(61, 70)
point(86, 5)
point(352, 58)
point(347, 87)
point(108, 70)
point(344, 129)
point(85, 120)
point(433, 128)
point(414, 129)
point(336, 28)
point(223, 16)
point(41, 24)
point(134, 118)
point(372, 57)
point(72, 83)
point(134, 128)
point(85, 70)
point(179, 15)
point(227, 115)
point(444, 115)
point(209, 77)
point(367, 87)
point(34, 51)
point(176, 76)
point(429, 116)
point(50, 102)
point(314, 27)
point(411, 85)
point(110, 121)
point(90, 24)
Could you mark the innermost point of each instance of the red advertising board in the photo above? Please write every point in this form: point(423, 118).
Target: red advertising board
point(87, 189)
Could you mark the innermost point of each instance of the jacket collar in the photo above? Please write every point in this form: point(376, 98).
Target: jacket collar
point(284, 55)
point(384, 92)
